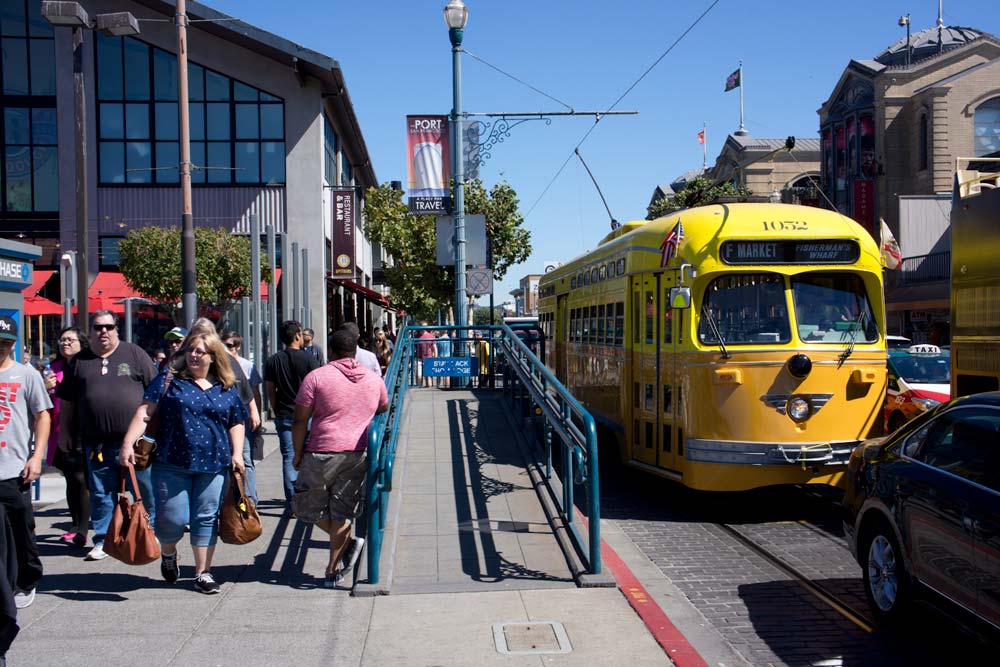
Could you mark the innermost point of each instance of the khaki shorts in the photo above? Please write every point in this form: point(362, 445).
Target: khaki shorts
point(329, 485)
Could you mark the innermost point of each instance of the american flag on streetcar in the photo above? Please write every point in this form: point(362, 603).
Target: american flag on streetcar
point(671, 243)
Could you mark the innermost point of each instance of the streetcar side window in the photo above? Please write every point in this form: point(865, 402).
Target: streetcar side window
point(668, 316)
point(650, 317)
point(636, 306)
point(609, 325)
point(619, 323)
point(592, 338)
point(600, 324)
point(746, 309)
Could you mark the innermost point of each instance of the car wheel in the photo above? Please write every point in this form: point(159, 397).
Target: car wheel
point(895, 421)
point(887, 584)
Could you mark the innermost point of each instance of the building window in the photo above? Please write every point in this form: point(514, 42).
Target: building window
point(924, 142)
point(987, 127)
point(237, 131)
point(30, 170)
point(331, 145)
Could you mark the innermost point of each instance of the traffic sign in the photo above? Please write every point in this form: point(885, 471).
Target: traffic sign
point(479, 282)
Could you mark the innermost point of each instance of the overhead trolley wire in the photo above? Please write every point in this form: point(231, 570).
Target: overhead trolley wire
point(621, 97)
point(523, 83)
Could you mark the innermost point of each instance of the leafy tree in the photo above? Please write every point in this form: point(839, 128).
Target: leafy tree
point(418, 285)
point(150, 261)
point(696, 192)
point(481, 315)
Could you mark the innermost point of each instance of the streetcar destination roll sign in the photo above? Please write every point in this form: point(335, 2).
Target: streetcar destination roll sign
point(791, 251)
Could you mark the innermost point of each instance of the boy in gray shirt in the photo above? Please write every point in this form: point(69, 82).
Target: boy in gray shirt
point(22, 390)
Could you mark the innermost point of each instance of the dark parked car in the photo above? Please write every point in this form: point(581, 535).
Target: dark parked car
point(923, 510)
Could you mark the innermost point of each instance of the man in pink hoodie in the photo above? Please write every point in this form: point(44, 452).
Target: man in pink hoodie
point(340, 398)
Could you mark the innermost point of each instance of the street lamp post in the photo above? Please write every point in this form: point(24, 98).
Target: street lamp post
point(189, 299)
point(456, 15)
point(73, 15)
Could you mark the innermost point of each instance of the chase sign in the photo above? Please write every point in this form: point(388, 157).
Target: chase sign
point(14, 274)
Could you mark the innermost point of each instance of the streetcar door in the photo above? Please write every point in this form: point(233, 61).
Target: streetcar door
point(669, 392)
point(561, 337)
point(643, 426)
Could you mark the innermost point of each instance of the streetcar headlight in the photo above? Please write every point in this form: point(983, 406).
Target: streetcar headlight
point(926, 403)
point(799, 366)
point(799, 408)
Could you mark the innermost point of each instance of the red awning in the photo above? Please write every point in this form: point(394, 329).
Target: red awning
point(370, 294)
point(38, 280)
point(39, 305)
point(111, 285)
point(264, 285)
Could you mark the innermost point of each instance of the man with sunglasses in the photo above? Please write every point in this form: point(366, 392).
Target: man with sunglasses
point(105, 385)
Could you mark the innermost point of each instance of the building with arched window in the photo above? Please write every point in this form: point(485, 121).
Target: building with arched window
point(890, 132)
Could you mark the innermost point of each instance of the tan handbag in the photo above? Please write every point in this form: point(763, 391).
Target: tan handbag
point(239, 522)
point(130, 536)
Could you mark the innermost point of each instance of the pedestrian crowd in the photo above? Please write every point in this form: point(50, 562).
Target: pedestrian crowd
point(90, 413)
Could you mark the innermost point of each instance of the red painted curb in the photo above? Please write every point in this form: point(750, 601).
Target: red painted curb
point(666, 634)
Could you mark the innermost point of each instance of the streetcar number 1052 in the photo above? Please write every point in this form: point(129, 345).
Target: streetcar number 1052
point(786, 226)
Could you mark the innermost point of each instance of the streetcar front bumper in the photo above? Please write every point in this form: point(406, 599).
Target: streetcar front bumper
point(769, 453)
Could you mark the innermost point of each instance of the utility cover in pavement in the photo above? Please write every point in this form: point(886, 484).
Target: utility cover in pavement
point(531, 638)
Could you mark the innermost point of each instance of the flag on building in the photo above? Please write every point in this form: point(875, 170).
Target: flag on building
point(892, 256)
point(732, 81)
point(701, 137)
point(672, 243)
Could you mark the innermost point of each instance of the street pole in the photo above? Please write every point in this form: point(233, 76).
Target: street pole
point(189, 279)
point(82, 222)
point(254, 345)
point(456, 24)
point(306, 308)
point(295, 283)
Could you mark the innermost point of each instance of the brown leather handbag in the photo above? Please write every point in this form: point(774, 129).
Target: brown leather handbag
point(130, 536)
point(239, 522)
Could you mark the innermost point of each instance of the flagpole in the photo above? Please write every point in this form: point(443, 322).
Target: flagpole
point(704, 145)
point(742, 130)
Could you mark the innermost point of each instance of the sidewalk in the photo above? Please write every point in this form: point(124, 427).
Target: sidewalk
point(472, 574)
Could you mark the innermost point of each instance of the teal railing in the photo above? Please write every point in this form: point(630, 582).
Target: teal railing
point(539, 395)
point(535, 390)
point(382, 436)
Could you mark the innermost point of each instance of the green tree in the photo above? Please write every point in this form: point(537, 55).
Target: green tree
point(418, 285)
point(150, 261)
point(481, 315)
point(696, 192)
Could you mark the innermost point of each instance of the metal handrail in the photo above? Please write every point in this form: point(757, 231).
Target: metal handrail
point(382, 436)
point(576, 429)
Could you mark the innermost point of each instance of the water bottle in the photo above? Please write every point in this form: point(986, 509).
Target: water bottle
point(47, 372)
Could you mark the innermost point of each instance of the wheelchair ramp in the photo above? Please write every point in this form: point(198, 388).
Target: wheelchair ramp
point(467, 517)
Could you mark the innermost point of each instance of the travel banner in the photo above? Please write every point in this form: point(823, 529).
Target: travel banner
point(343, 233)
point(428, 165)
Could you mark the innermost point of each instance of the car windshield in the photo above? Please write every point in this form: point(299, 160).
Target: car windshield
point(746, 309)
point(922, 368)
point(830, 307)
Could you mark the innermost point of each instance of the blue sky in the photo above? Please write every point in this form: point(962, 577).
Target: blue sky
point(396, 60)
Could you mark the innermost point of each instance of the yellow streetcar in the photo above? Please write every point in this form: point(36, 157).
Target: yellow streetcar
point(727, 347)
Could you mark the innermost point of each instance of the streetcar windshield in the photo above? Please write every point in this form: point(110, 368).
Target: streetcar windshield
point(829, 308)
point(747, 308)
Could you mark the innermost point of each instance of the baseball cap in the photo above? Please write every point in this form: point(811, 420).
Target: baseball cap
point(8, 328)
point(176, 332)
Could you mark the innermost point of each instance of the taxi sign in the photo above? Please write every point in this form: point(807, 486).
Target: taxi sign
point(924, 349)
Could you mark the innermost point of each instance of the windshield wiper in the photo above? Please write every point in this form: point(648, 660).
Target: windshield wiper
point(855, 328)
point(715, 331)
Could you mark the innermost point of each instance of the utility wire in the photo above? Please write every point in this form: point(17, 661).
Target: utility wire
point(523, 83)
point(618, 101)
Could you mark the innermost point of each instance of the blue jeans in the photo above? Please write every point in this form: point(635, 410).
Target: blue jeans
point(103, 477)
point(284, 428)
point(251, 480)
point(187, 497)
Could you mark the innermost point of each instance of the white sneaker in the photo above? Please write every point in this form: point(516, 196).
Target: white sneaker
point(352, 553)
point(97, 553)
point(24, 599)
